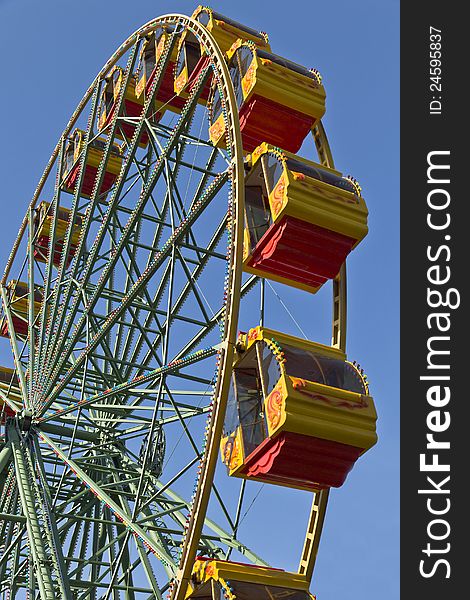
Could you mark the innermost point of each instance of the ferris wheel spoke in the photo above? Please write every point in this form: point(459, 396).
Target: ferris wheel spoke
point(189, 107)
point(152, 507)
point(14, 407)
point(20, 370)
point(218, 533)
point(193, 287)
point(45, 551)
point(151, 308)
point(187, 112)
point(31, 298)
point(154, 265)
point(101, 170)
point(130, 279)
point(49, 520)
point(121, 560)
point(16, 563)
point(145, 326)
point(13, 540)
point(206, 170)
point(12, 524)
point(149, 573)
point(215, 320)
point(121, 388)
point(143, 557)
point(128, 480)
point(48, 275)
point(151, 519)
point(95, 563)
point(117, 510)
point(133, 274)
point(62, 277)
point(107, 357)
point(7, 482)
point(175, 311)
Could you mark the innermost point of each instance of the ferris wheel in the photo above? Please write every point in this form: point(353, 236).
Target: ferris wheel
point(173, 197)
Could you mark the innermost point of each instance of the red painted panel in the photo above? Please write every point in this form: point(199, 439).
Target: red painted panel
point(5, 412)
point(89, 180)
point(301, 251)
point(262, 120)
point(302, 461)
point(41, 249)
point(166, 91)
point(201, 64)
point(20, 327)
point(132, 109)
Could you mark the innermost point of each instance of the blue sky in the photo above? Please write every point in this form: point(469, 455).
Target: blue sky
point(52, 50)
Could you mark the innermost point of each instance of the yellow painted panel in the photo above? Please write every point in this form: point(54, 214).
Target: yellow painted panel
point(61, 229)
point(181, 81)
point(264, 333)
point(217, 132)
point(61, 224)
point(275, 408)
point(232, 451)
point(12, 392)
point(204, 570)
point(315, 201)
point(226, 34)
point(288, 88)
point(94, 159)
point(20, 306)
point(19, 297)
point(325, 205)
point(329, 413)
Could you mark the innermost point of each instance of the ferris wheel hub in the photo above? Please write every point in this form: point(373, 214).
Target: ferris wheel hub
point(25, 419)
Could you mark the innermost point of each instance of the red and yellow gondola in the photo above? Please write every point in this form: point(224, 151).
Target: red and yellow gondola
point(71, 168)
point(279, 101)
point(132, 105)
point(10, 387)
point(18, 300)
point(192, 57)
point(150, 55)
point(298, 415)
point(302, 219)
point(43, 223)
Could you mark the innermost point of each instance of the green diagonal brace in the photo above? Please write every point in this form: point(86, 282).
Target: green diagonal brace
point(123, 516)
point(33, 527)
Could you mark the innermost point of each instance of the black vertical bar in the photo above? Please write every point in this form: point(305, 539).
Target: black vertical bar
point(435, 233)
